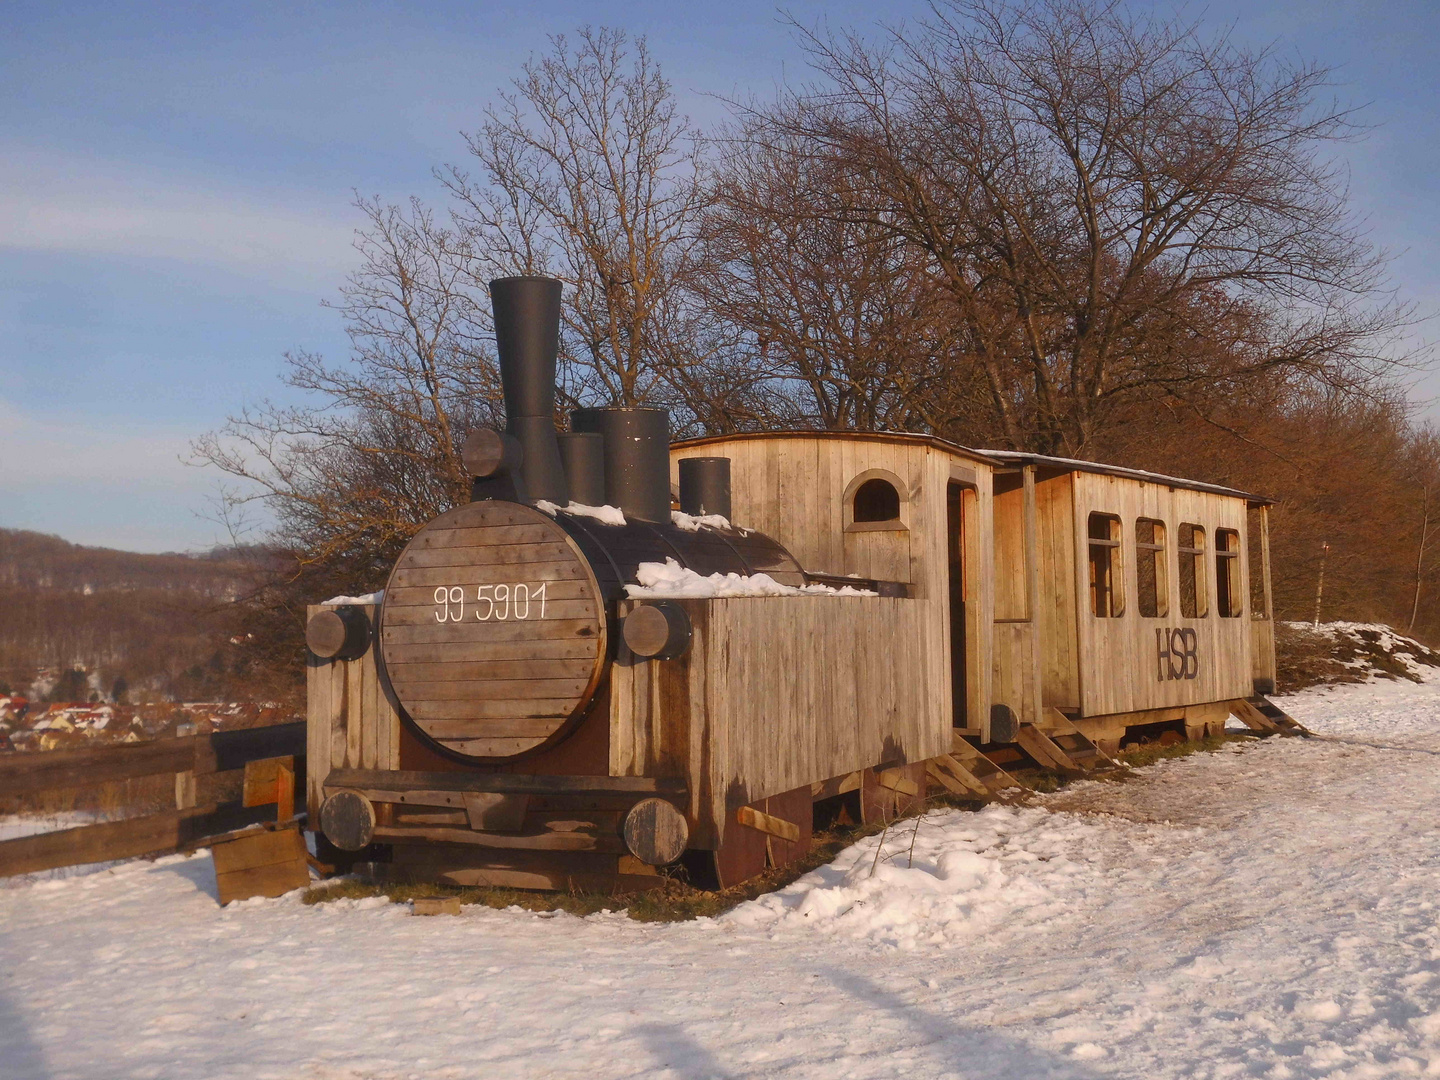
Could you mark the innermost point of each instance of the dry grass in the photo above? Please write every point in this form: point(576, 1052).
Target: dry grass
point(1150, 753)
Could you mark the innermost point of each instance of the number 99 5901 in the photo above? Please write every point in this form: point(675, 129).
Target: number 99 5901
point(498, 602)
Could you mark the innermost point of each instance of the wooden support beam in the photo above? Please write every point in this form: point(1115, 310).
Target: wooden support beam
point(1044, 750)
point(534, 841)
point(398, 782)
point(768, 823)
point(836, 785)
point(983, 768)
point(896, 781)
point(955, 778)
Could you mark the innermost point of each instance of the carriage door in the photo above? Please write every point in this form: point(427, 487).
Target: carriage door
point(955, 547)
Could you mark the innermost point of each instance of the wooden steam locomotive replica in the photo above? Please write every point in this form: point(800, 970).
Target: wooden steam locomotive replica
point(517, 710)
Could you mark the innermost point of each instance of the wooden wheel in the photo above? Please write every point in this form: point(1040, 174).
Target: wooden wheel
point(493, 630)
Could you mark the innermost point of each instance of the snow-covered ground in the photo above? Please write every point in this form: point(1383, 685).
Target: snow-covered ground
point(1269, 911)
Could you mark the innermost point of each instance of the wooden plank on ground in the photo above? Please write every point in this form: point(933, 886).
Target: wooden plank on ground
point(260, 863)
point(435, 905)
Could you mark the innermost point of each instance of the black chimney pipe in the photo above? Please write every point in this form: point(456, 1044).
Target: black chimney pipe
point(527, 338)
point(583, 455)
point(705, 486)
point(637, 458)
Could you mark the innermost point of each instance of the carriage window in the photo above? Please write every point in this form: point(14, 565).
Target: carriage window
point(1194, 598)
point(877, 500)
point(1228, 598)
point(1107, 590)
point(1152, 588)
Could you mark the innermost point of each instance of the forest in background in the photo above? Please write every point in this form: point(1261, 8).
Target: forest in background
point(1047, 225)
point(93, 624)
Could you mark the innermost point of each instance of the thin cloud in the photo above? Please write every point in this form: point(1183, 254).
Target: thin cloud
point(100, 482)
point(58, 202)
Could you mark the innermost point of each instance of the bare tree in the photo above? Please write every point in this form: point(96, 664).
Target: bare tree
point(350, 478)
point(588, 173)
point(1116, 208)
point(841, 317)
point(1423, 468)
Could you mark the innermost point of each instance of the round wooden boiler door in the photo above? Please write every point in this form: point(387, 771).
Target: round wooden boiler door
point(492, 630)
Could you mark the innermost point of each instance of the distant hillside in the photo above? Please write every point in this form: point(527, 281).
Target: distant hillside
point(87, 623)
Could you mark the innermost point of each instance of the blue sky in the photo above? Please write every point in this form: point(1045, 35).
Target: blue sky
point(175, 184)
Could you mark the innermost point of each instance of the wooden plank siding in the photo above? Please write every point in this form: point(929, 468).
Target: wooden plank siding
point(1056, 603)
point(352, 722)
point(1119, 657)
point(1264, 668)
point(776, 693)
point(1016, 681)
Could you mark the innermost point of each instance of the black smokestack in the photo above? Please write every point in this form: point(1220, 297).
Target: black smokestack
point(527, 338)
point(705, 486)
point(637, 458)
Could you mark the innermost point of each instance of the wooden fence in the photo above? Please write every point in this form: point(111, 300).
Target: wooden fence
point(182, 828)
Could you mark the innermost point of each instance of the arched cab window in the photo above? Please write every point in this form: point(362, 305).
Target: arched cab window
point(876, 500)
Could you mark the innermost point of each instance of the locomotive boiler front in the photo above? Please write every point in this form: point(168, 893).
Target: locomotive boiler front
point(499, 618)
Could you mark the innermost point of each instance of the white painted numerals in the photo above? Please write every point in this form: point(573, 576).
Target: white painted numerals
point(499, 602)
point(450, 603)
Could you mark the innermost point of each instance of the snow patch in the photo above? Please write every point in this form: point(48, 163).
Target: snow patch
point(693, 523)
point(938, 880)
point(670, 579)
point(365, 598)
point(1288, 924)
point(606, 515)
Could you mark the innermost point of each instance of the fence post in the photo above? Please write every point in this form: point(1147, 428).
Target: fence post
point(185, 790)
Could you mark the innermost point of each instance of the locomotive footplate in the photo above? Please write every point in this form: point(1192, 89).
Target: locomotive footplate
point(509, 828)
